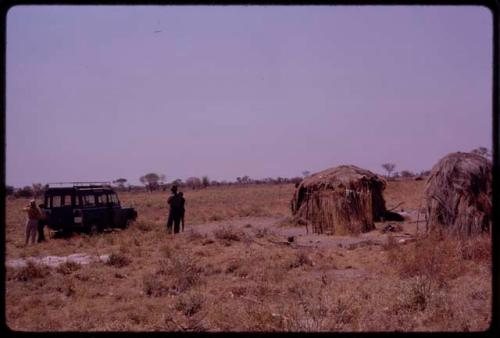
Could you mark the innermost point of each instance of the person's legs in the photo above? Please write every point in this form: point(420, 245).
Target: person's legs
point(41, 235)
point(33, 233)
point(177, 222)
point(32, 230)
point(169, 222)
point(27, 232)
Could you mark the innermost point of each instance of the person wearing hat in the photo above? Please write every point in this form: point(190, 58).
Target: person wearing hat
point(34, 214)
point(175, 213)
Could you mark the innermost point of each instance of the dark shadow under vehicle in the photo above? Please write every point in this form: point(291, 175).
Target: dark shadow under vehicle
point(85, 208)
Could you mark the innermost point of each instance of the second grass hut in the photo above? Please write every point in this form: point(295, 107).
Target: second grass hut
point(459, 194)
point(341, 200)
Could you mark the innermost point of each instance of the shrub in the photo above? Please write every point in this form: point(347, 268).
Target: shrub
point(406, 174)
point(227, 234)
point(391, 243)
point(301, 258)
point(143, 226)
point(27, 191)
point(183, 270)
point(118, 260)
point(261, 233)
point(190, 304)
point(431, 261)
point(9, 190)
point(476, 249)
point(419, 294)
point(232, 266)
point(195, 235)
point(153, 285)
point(30, 272)
point(68, 288)
point(68, 267)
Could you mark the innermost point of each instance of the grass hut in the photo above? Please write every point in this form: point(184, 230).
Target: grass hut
point(341, 200)
point(458, 194)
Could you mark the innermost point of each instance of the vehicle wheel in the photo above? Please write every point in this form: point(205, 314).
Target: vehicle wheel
point(128, 223)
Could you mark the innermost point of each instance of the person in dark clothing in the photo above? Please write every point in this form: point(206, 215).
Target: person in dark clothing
point(175, 212)
point(41, 225)
point(183, 201)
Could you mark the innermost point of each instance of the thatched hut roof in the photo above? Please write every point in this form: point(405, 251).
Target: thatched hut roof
point(341, 200)
point(458, 194)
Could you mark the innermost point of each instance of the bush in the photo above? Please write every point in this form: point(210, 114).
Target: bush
point(195, 236)
point(190, 304)
point(476, 249)
point(232, 266)
point(419, 294)
point(406, 174)
point(227, 234)
point(154, 286)
point(9, 190)
point(433, 261)
point(68, 267)
point(390, 244)
point(184, 271)
point(143, 226)
point(30, 272)
point(118, 260)
point(301, 258)
point(26, 192)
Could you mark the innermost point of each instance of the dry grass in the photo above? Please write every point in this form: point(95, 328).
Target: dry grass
point(195, 281)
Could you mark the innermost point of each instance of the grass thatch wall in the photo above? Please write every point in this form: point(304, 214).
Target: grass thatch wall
point(340, 200)
point(458, 194)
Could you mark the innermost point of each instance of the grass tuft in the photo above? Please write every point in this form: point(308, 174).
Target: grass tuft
point(118, 260)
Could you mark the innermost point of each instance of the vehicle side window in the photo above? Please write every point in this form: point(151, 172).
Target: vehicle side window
point(56, 201)
point(113, 198)
point(66, 200)
point(77, 201)
point(101, 199)
point(88, 199)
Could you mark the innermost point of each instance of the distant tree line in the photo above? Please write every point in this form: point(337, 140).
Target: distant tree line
point(153, 181)
point(34, 191)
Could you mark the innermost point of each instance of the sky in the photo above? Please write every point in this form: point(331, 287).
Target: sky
point(94, 93)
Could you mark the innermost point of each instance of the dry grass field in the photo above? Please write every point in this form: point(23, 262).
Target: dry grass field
point(234, 270)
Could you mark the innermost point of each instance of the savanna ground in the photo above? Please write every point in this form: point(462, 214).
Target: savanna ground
point(234, 270)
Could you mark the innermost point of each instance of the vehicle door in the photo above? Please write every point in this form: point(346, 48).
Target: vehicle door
point(61, 213)
point(106, 209)
point(92, 213)
point(119, 215)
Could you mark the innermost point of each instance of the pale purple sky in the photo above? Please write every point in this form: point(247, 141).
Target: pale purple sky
point(96, 93)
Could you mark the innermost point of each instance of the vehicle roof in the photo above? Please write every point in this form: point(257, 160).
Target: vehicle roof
point(70, 190)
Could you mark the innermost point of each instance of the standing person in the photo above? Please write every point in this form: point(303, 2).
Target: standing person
point(34, 215)
point(182, 202)
point(175, 213)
